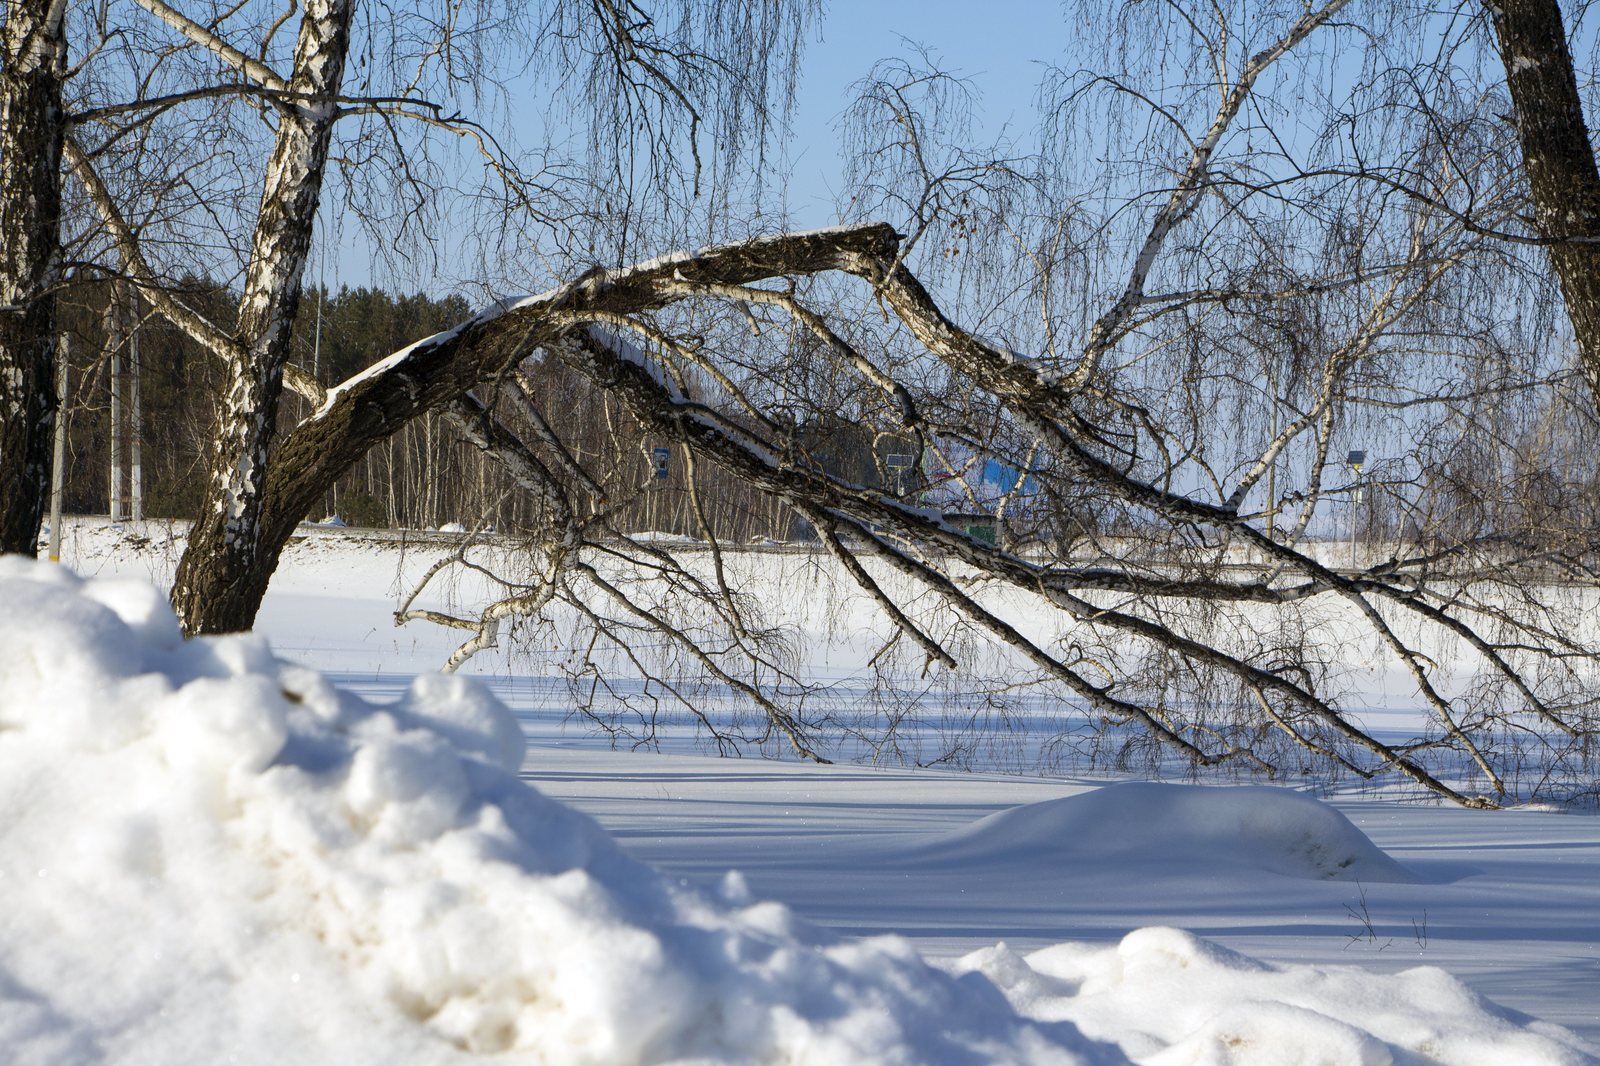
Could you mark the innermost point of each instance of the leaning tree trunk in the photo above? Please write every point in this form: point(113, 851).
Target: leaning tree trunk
point(222, 576)
point(31, 129)
point(437, 371)
point(1558, 159)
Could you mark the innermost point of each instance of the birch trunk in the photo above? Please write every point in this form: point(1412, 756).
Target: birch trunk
point(224, 572)
point(1558, 159)
point(58, 451)
point(114, 320)
point(31, 129)
point(433, 375)
point(135, 427)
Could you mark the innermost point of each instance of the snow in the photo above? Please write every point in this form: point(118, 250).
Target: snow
point(1502, 900)
point(1167, 997)
point(215, 853)
point(283, 872)
point(655, 536)
point(1198, 830)
point(553, 297)
point(397, 359)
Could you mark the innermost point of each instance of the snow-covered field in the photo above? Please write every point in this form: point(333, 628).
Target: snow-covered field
point(213, 856)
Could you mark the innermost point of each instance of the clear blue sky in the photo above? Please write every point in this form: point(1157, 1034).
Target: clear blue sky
point(1000, 46)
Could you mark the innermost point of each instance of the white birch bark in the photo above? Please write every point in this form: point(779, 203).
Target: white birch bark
point(1191, 186)
point(58, 457)
point(32, 58)
point(216, 585)
point(114, 321)
point(135, 429)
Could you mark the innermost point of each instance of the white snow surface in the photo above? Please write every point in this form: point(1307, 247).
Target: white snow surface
point(1160, 826)
point(212, 854)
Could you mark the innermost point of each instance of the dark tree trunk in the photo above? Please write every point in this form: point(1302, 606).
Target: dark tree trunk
point(224, 570)
point(1558, 159)
point(30, 241)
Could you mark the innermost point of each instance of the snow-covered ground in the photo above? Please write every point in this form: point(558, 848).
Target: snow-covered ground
point(197, 870)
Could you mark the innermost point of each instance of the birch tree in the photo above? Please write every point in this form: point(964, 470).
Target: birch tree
point(1172, 350)
point(1558, 157)
point(225, 550)
point(32, 65)
point(1189, 342)
point(654, 89)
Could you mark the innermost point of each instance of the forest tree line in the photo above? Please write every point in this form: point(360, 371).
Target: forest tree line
point(423, 477)
point(1514, 466)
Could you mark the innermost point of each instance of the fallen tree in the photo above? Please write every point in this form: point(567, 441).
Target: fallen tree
point(1156, 612)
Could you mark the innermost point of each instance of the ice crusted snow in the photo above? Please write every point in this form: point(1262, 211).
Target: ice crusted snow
point(214, 855)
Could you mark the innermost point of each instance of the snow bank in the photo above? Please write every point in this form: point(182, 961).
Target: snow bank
point(1168, 997)
point(654, 536)
point(212, 855)
point(1191, 828)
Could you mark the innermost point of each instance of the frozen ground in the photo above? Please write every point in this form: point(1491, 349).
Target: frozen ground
point(1506, 902)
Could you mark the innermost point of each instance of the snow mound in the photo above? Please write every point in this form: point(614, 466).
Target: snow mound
point(1196, 828)
point(212, 855)
point(654, 536)
point(1167, 997)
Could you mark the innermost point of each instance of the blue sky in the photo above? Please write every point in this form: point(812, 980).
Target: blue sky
point(1000, 49)
point(1000, 46)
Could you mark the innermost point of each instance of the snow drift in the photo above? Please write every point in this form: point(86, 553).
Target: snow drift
point(213, 855)
point(1190, 828)
point(1168, 997)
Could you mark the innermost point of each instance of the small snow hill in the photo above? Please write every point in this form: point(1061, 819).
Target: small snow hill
point(1198, 829)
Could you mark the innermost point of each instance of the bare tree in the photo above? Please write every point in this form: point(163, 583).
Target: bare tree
point(1167, 354)
point(193, 78)
point(224, 550)
point(1184, 351)
point(32, 65)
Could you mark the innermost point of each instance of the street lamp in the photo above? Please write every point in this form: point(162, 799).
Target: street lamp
point(899, 466)
point(1356, 459)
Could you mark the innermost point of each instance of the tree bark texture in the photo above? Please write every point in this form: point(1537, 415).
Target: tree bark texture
point(224, 572)
point(31, 128)
point(1558, 159)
